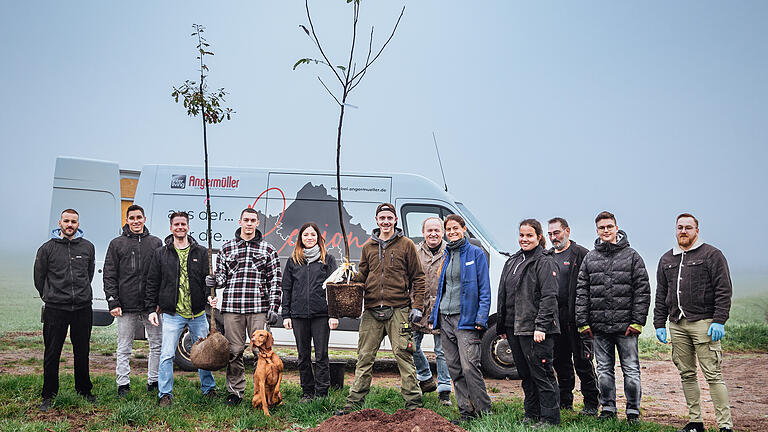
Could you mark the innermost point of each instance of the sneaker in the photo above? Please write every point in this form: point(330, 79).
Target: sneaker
point(607, 415)
point(693, 427)
point(165, 401)
point(211, 394)
point(46, 404)
point(123, 390)
point(428, 386)
point(306, 397)
point(233, 400)
point(589, 411)
point(633, 419)
point(152, 387)
point(444, 397)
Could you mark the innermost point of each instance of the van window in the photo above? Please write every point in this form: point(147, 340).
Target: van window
point(414, 215)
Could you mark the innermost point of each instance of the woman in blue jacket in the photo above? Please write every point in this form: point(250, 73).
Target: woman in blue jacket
point(305, 309)
point(461, 314)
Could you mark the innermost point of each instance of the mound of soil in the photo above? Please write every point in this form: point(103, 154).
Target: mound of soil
point(367, 420)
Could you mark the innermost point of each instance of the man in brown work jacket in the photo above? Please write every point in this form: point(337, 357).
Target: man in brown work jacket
point(390, 268)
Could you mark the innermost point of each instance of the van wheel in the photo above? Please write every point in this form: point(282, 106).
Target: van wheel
point(183, 357)
point(496, 356)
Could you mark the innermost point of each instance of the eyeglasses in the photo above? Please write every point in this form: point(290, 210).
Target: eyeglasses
point(605, 227)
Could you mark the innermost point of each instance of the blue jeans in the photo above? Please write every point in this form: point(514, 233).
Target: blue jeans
point(605, 354)
point(172, 328)
point(423, 372)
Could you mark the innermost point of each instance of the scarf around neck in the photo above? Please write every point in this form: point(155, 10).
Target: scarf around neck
point(312, 254)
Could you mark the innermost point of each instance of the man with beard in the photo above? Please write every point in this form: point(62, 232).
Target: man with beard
point(431, 253)
point(125, 276)
point(571, 348)
point(612, 300)
point(391, 270)
point(176, 289)
point(64, 267)
point(248, 269)
point(694, 291)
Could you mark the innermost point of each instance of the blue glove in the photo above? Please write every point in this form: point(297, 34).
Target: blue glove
point(717, 331)
point(661, 335)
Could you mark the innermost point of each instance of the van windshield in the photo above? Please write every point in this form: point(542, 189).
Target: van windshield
point(478, 226)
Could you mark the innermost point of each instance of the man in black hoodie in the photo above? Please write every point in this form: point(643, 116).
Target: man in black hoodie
point(63, 272)
point(612, 300)
point(571, 348)
point(125, 276)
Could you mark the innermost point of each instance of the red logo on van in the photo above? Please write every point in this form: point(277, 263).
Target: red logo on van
point(221, 183)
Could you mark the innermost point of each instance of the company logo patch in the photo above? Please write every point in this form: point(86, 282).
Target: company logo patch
point(178, 181)
point(554, 274)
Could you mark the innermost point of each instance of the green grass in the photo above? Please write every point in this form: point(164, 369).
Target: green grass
point(139, 411)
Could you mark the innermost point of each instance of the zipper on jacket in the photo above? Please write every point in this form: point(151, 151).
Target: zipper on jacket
point(71, 272)
point(141, 279)
point(679, 278)
point(514, 271)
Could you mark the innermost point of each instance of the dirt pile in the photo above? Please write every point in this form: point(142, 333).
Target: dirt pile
point(367, 420)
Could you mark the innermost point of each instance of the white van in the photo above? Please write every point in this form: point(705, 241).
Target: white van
point(284, 199)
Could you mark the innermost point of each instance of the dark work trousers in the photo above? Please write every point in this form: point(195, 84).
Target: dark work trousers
point(534, 365)
point(308, 332)
point(572, 349)
point(55, 325)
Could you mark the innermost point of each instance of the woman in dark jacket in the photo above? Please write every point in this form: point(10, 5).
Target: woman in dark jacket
point(461, 313)
point(305, 309)
point(527, 319)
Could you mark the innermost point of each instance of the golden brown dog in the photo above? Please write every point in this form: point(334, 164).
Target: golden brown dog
point(268, 373)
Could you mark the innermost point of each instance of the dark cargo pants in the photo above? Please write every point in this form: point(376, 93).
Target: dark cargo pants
point(534, 365)
point(573, 349)
point(370, 335)
point(462, 352)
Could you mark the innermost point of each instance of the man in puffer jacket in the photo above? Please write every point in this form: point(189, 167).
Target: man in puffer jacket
point(64, 268)
point(125, 277)
point(612, 300)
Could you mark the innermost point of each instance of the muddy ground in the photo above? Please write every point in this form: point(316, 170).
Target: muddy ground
point(746, 376)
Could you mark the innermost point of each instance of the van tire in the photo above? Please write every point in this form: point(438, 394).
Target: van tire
point(183, 355)
point(496, 357)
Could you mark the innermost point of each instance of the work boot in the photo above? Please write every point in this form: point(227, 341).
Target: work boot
point(693, 427)
point(165, 401)
point(123, 390)
point(306, 397)
point(607, 415)
point(428, 385)
point(233, 400)
point(152, 387)
point(589, 411)
point(445, 397)
point(211, 394)
point(633, 419)
point(346, 410)
point(46, 404)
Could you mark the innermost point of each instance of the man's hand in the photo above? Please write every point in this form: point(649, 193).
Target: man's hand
point(287, 323)
point(632, 331)
point(539, 336)
point(333, 323)
point(661, 335)
point(272, 318)
point(415, 315)
point(587, 332)
point(210, 281)
point(116, 312)
point(212, 301)
point(717, 331)
point(153, 319)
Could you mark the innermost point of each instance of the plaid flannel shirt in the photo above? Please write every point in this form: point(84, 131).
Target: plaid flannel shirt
point(249, 272)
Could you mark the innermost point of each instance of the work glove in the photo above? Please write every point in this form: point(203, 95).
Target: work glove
point(717, 331)
point(661, 335)
point(587, 332)
point(415, 315)
point(272, 318)
point(210, 281)
point(632, 331)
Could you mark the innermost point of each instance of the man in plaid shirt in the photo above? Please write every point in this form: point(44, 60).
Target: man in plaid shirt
point(249, 271)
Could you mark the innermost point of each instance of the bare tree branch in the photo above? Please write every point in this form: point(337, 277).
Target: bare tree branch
point(367, 61)
point(317, 42)
point(383, 46)
point(329, 91)
point(352, 49)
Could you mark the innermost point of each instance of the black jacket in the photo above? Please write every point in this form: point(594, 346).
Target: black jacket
point(64, 271)
point(530, 304)
point(568, 308)
point(705, 285)
point(613, 289)
point(163, 278)
point(303, 293)
point(125, 269)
